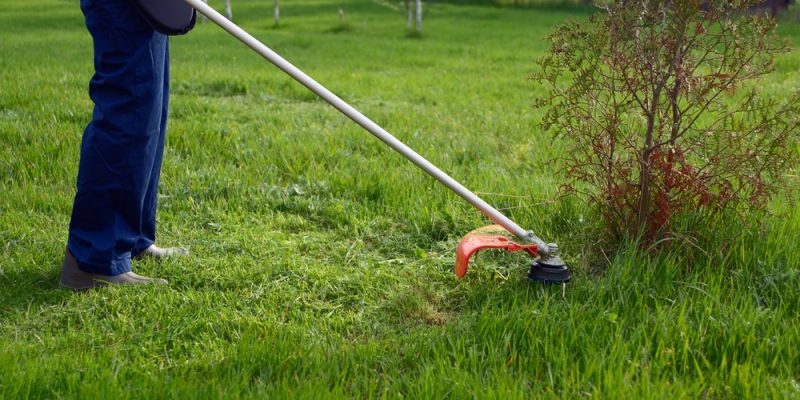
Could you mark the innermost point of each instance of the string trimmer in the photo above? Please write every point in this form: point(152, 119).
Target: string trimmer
point(547, 267)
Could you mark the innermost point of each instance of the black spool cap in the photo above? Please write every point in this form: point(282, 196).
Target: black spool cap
point(550, 271)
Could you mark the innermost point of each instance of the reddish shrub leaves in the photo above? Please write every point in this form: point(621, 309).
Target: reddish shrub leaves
point(664, 114)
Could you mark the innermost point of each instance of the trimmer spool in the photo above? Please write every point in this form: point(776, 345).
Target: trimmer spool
point(550, 269)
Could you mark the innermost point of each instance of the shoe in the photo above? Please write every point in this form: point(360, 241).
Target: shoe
point(73, 278)
point(160, 253)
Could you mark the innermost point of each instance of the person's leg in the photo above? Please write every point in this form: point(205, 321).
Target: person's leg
point(147, 236)
point(122, 145)
point(147, 233)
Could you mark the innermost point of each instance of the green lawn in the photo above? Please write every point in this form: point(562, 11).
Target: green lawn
point(322, 262)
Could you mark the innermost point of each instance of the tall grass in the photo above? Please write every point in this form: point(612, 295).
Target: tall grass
point(322, 263)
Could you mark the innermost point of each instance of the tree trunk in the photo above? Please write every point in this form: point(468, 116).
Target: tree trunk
point(644, 168)
point(409, 15)
point(419, 15)
point(228, 10)
point(277, 13)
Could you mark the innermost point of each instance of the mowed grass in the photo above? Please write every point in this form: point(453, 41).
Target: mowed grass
point(321, 261)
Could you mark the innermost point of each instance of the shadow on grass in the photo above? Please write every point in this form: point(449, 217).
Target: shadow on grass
point(343, 27)
point(30, 288)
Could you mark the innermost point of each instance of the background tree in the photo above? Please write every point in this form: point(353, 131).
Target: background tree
point(663, 114)
point(414, 15)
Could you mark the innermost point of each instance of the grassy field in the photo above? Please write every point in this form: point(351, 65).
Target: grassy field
point(322, 262)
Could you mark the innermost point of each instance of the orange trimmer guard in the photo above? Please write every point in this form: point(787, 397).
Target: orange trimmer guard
point(488, 237)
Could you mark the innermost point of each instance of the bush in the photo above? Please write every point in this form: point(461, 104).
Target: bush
point(663, 114)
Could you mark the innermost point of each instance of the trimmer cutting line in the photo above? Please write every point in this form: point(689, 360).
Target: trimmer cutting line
point(548, 267)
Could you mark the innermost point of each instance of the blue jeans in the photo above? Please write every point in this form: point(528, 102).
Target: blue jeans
point(114, 213)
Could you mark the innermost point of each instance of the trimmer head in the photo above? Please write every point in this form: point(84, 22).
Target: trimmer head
point(547, 269)
point(550, 269)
